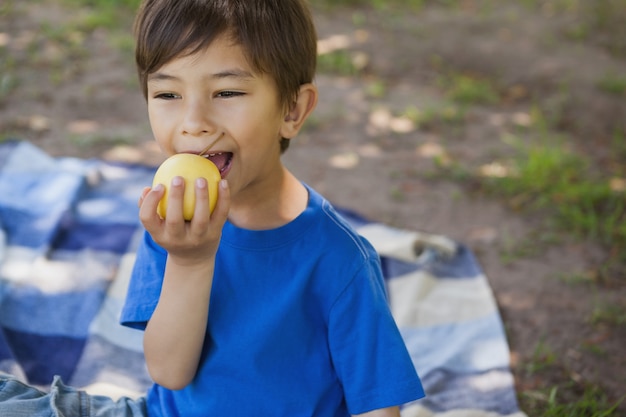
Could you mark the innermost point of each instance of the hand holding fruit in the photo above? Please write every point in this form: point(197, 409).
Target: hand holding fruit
point(192, 230)
point(189, 167)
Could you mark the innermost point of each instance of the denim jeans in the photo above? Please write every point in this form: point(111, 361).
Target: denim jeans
point(20, 400)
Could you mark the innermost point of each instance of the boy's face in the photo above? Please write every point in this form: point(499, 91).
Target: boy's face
point(193, 100)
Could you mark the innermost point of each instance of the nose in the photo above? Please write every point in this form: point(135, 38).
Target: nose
point(196, 121)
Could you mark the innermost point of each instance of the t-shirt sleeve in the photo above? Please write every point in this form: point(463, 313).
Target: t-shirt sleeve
point(145, 284)
point(368, 351)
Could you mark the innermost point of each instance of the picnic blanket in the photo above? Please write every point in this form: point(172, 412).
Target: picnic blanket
point(68, 234)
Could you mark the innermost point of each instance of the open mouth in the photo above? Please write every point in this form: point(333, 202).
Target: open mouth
point(222, 161)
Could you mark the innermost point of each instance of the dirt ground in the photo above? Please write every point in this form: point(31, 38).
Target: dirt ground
point(78, 97)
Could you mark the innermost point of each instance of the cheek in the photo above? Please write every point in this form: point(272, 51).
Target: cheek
point(158, 117)
point(155, 125)
point(160, 130)
point(152, 116)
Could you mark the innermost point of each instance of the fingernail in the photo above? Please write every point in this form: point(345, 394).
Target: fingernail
point(201, 183)
point(158, 187)
point(177, 181)
point(223, 184)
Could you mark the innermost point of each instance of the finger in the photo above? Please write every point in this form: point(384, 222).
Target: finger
point(220, 214)
point(149, 202)
point(175, 198)
point(144, 192)
point(202, 211)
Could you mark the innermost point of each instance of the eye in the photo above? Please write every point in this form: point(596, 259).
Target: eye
point(166, 96)
point(229, 94)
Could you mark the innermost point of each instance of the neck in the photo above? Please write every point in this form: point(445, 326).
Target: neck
point(274, 206)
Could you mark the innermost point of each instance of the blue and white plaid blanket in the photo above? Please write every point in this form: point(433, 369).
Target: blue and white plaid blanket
point(68, 232)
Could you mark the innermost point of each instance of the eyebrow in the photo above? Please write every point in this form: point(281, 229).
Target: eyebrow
point(229, 73)
point(159, 76)
point(233, 73)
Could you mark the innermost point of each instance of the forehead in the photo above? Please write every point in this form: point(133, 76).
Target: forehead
point(221, 58)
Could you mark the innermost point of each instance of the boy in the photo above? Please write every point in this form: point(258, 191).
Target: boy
point(271, 305)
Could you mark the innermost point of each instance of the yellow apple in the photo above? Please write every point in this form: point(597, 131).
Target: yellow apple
point(190, 167)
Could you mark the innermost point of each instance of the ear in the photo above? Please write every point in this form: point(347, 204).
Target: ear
point(299, 111)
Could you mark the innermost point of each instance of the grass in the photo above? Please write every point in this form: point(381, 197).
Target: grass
point(553, 179)
point(468, 89)
point(566, 397)
point(606, 18)
point(436, 115)
point(557, 402)
point(612, 314)
point(613, 84)
point(104, 5)
point(599, 20)
point(534, 244)
point(339, 62)
point(8, 78)
point(114, 16)
point(550, 180)
point(414, 5)
point(8, 65)
point(542, 358)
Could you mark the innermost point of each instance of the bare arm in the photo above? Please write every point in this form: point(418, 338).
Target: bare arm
point(175, 334)
point(382, 412)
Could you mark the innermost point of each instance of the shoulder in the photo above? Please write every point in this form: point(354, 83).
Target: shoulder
point(335, 231)
point(343, 251)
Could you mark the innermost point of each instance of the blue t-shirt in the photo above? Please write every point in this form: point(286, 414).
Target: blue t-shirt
point(299, 325)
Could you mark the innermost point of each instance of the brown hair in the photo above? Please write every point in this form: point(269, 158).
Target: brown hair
point(278, 37)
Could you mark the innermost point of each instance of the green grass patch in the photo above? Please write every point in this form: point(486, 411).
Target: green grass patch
point(108, 14)
point(468, 89)
point(9, 80)
point(6, 8)
point(533, 245)
point(69, 41)
point(415, 5)
point(105, 4)
point(548, 177)
point(613, 84)
point(606, 19)
point(561, 394)
point(542, 358)
point(339, 62)
point(551, 403)
point(612, 314)
point(600, 21)
point(436, 115)
point(575, 278)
